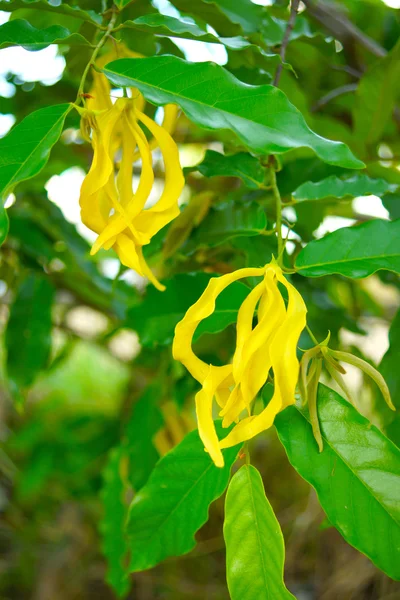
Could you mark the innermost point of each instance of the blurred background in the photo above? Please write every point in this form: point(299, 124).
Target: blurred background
point(76, 371)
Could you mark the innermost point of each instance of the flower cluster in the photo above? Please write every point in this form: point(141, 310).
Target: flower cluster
point(109, 205)
point(270, 344)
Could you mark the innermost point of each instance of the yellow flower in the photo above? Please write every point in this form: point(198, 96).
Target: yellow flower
point(270, 344)
point(109, 205)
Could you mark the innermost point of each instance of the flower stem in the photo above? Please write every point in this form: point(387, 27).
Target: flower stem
point(278, 205)
point(102, 41)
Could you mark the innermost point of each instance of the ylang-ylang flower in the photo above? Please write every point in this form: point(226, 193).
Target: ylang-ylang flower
point(109, 205)
point(268, 346)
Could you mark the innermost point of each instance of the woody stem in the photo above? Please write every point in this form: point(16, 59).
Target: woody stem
point(278, 205)
point(102, 41)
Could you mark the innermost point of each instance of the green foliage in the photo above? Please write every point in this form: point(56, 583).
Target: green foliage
point(28, 336)
point(254, 541)
point(173, 505)
point(356, 474)
point(237, 107)
point(333, 187)
point(353, 251)
point(102, 468)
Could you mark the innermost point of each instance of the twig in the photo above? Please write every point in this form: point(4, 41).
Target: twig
point(339, 91)
point(292, 20)
point(336, 22)
point(278, 204)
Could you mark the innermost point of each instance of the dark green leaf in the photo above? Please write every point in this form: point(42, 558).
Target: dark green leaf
point(215, 99)
point(357, 475)
point(25, 150)
point(28, 335)
point(376, 96)
point(112, 526)
point(144, 423)
point(21, 33)
point(242, 165)
point(226, 222)
point(353, 251)
point(42, 5)
point(155, 319)
point(333, 187)
point(173, 505)
point(4, 223)
point(392, 204)
point(254, 542)
point(389, 366)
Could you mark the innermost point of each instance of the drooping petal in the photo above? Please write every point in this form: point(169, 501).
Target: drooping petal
point(205, 305)
point(166, 209)
point(168, 124)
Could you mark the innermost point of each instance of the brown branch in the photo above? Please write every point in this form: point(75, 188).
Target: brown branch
point(339, 91)
point(292, 20)
point(336, 22)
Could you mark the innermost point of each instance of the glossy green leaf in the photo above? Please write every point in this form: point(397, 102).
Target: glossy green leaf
point(28, 334)
point(25, 150)
point(236, 106)
point(242, 165)
point(353, 251)
point(254, 542)
point(112, 526)
point(4, 223)
point(155, 319)
point(376, 96)
point(58, 8)
point(165, 515)
point(145, 421)
point(333, 187)
point(226, 222)
point(356, 476)
point(226, 16)
point(22, 33)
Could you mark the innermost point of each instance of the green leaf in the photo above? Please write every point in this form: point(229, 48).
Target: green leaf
point(145, 421)
point(242, 165)
point(356, 476)
point(213, 98)
point(353, 251)
point(389, 366)
point(4, 224)
point(155, 319)
point(42, 5)
point(215, 13)
point(228, 221)
point(392, 204)
point(376, 96)
point(28, 334)
point(25, 150)
point(112, 526)
point(22, 33)
point(254, 542)
point(333, 187)
point(173, 505)
point(158, 24)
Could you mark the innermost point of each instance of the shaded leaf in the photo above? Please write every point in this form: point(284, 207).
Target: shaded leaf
point(145, 421)
point(4, 223)
point(112, 526)
point(22, 33)
point(155, 319)
point(389, 366)
point(28, 334)
point(242, 165)
point(173, 505)
point(213, 98)
point(42, 5)
point(375, 97)
point(254, 542)
point(226, 222)
point(353, 251)
point(25, 150)
point(333, 187)
point(392, 204)
point(356, 476)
